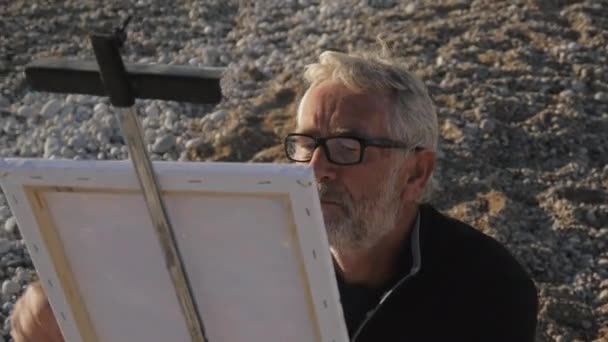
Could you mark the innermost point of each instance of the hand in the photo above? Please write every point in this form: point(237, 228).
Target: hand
point(32, 319)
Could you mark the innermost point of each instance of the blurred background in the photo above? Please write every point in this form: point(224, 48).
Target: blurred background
point(521, 89)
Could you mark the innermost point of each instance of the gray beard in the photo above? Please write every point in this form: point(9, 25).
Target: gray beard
point(360, 225)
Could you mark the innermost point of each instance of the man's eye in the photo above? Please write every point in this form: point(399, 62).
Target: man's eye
point(349, 144)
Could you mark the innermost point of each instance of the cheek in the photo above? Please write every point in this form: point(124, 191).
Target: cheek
point(362, 181)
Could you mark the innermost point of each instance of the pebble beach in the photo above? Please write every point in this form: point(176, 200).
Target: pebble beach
point(521, 89)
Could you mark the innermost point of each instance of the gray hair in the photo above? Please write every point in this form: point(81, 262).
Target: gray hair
point(414, 120)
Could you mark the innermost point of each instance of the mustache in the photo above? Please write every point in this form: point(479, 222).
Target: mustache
point(332, 192)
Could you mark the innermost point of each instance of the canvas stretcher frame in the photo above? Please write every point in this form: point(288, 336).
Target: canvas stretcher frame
point(29, 183)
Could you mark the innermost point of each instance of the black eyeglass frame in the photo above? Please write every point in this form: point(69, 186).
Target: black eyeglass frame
point(363, 142)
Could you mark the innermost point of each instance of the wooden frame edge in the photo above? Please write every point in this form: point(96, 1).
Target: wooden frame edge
point(54, 245)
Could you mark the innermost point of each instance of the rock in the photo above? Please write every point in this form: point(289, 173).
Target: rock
point(194, 143)
point(22, 276)
point(51, 108)
point(601, 97)
point(590, 217)
point(5, 212)
point(163, 144)
point(410, 8)
point(579, 86)
point(100, 108)
point(210, 56)
point(381, 4)
point(7, 307)
point(4, 103)
point(78, 141)
point(10, 225)
point(566, 94)
point(10, 288)
point(603, 296)
point(52, 146)
point(152, 111)
point(451, 131)
point(487, 125)
point(5, 246)
point(26, 111)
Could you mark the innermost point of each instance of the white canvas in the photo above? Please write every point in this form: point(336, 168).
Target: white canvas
point(251, 237)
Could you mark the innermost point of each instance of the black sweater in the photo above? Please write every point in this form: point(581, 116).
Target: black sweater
point(465, 287)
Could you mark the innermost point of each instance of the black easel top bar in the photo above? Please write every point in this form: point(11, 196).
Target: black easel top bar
point(162, 82)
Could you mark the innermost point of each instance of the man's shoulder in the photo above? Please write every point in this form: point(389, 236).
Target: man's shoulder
point(487, 277)
point(447, 242)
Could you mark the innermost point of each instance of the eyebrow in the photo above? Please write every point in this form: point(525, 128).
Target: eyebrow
point(349, 131)
point(340, 131)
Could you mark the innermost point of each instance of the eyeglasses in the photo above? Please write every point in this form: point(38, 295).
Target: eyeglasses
point(340, 150)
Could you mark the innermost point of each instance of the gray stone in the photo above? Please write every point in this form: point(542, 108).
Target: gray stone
point(579, 86)
point(22, 276)
point(10, 288)
point(169, 124)
point(78, 141)
point(51, 108)
point(7, 307)
point(100, 108)
point(5, 212)
point(4, 103)
point(52, 146)
point(603, 296)
point(601, 96)
point(163, 144)
point(590, 217)
point(566, 94)
point(194, 143)
point(381, 4)
point(10, 225)
point(5, 246)
point(410, 8)
point(26, 111)
point(67, 152)
point(487, 125)
point(152, 111)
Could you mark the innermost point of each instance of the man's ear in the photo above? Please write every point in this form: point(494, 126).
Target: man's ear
point(417, 174)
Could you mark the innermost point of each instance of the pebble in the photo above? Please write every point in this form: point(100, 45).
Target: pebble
point(601, 97)
point(51, 108)
point(381, 4)
point(603, 296)
point(487, 125)
point(52, 145)
point(5, 246)
point(152, 111)
point(194, 143)
point(100, 108)
point(10, 225)
point(4, 102)
point(10, 288)
point(590, 217)
point(26, 111)
point(22, 276)
point(508, 82)
point(164, 144)
point(5, 212)
point(7, 307)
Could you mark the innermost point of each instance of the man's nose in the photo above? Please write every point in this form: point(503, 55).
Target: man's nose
point(323, 168)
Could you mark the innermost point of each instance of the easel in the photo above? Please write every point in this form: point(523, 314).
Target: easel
point(123, 83)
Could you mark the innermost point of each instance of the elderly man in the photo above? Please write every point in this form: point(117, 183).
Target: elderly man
point(405, 271)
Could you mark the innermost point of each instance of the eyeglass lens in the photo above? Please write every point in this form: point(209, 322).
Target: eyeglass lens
point(341, 150)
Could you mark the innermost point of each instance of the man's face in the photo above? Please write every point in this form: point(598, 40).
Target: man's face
point(360, 202)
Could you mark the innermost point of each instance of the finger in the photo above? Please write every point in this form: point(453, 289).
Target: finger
point(50, 324)
point(44, 318)
point(17, 331)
